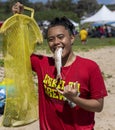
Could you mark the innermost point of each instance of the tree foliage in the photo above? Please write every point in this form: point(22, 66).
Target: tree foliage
point(86, 7)
point(53, 8)
point(49, 14)
point(64, 5)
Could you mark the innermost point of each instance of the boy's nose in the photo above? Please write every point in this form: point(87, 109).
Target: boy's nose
point(56, 41)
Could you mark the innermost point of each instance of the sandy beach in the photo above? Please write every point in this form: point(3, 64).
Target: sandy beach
point(105, 58)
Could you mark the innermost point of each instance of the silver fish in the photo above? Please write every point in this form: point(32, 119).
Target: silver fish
point(58, 61)
point(58, 65)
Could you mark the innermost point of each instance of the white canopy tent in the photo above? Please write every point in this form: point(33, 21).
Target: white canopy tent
point(104, 15)
point(74, 23)
point(112, 24)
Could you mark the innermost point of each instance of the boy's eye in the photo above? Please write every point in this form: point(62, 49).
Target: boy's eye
point(61, 36)
point(50, 39)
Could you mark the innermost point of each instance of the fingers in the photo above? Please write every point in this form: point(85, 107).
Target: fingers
point(77, 86)
point(61, 92)
point(17, 8)
point(70, 90)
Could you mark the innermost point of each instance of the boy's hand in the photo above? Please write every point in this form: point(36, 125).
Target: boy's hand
point(70, 91)
point(17, 8)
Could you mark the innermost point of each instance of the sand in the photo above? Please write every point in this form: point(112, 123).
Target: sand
point(105, 58)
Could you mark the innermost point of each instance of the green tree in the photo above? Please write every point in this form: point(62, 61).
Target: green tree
point(86, 7)
point(63, 5)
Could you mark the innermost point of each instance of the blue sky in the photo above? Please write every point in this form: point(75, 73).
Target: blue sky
point(99, 1)
point(106, 1)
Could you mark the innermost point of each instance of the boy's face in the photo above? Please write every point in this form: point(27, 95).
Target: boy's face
point(59, 36)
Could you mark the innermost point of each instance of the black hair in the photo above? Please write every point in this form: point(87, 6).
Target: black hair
point(64, 22)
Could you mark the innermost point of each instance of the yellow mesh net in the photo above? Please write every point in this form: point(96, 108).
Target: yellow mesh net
point(20, 34)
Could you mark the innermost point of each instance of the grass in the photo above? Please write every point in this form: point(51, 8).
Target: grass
point(92, 43)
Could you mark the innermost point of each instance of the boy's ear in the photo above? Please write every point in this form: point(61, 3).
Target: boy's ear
point(72, 39)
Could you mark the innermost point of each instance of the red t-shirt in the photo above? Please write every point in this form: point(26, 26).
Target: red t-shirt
point(54, 112)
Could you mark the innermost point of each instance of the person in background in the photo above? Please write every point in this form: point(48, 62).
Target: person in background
point(83, 35)
point(56, 96)
point(102, 31)
point(108, 31)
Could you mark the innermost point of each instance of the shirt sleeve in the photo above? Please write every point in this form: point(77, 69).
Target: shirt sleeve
point(34, 62)
point(97, 85)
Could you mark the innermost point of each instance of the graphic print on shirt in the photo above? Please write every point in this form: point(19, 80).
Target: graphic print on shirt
point(50, 85)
